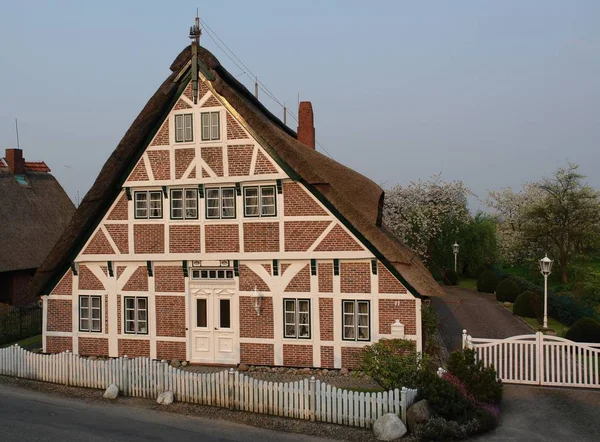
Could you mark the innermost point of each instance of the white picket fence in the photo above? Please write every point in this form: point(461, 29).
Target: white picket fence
point(142, 377)
point(539, 359)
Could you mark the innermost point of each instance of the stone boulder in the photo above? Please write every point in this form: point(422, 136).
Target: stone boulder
point(389, 427)
point(243, 367)
point(165, 398)
point(111, 392)
point(416, 414)
point(175, 363)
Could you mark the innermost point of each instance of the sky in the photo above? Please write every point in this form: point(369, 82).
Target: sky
point(493, 93)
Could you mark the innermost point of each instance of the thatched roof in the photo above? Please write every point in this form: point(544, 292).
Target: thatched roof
point(354, 198)
point(32, 217)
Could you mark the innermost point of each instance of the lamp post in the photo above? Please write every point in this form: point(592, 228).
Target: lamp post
point(455, 247)
point(545, 269)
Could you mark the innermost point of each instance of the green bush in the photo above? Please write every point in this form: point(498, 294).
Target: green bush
point(438, 428)
point(444, 398)
point(394, 363)
point(480, 381)
point(487, 282)
point(450, 277)
point(584, 330)
point(507, 291)
point(566, 309)
point(529, 305)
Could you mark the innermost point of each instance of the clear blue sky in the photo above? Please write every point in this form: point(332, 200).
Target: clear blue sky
point(494, 93)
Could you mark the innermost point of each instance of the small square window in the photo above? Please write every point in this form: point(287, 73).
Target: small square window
point(90, 314)
point(260, 201)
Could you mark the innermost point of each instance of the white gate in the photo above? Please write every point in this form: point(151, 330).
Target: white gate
point(539, 359)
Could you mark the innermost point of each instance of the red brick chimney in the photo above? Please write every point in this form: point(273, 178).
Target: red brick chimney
point(306, 125)
point(16, 162)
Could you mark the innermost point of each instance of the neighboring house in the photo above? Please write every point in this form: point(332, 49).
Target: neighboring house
point(34, 212)
point(216, 234)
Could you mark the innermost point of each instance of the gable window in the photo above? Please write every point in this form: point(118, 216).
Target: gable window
point(296, 314)
point(184, 128)
point(260, 201)
point(356, 317)
point(90, 312)
point(136, 315)
point(220, 202)
point(210, 125)
point(148, 204)
point(184, 203)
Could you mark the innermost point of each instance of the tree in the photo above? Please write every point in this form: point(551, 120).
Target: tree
point(566, 218)
point(420, 212)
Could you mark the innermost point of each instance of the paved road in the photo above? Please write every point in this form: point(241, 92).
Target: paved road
point(532, 414)
point(478, 313)
point(35, 416)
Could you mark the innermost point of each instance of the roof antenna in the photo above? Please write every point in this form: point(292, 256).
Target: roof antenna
point(17, 128)
point(195, 34)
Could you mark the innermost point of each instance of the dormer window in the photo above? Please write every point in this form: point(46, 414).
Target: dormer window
point(210, 126)
point(184, 128)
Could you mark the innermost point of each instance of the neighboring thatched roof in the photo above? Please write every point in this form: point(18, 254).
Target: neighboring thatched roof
point(357, 200)
point(32, 217)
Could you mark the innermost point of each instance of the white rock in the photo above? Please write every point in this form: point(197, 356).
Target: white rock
point(165, 398)
point(389, 427)
point(111, 392)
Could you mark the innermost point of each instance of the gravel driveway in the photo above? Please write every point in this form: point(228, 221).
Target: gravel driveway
point(478, 313)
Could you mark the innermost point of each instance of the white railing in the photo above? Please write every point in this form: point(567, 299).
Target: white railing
point(142, 377)
point(539, 359)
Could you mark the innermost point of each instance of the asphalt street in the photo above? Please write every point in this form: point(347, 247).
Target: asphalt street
point(27, 415)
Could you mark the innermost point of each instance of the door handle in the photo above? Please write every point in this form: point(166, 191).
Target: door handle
point(216, 328)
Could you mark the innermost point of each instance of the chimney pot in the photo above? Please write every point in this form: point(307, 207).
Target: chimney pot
point(16, 162)
point(306, 126)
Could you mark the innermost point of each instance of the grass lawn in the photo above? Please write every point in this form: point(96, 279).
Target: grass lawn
point(553, 324)
point(468, 283)
point(32, 342)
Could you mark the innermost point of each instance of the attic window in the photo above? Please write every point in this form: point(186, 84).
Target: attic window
point(184, 128)
point(21, 180)
point(210, 126)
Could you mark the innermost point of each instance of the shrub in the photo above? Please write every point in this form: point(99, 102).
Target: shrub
point(429, 325)
point(507, 291)
point(444, 398)
point(480, 381)
point(450, 277)
point(529, 304)
point(487, 282)
point(394, 363)
point(584, 330)
point(438, 428)
point(564, 308)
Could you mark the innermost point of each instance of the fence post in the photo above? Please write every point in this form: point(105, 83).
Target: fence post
point(231, 389)
point(312, 402)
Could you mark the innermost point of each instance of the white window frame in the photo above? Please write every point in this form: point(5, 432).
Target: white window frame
point(259, 195)
point(136, 321)
point(220, 198)
point(147, 209)
point(210, 126)
point(189, 201)
point(297, 313)
point(355, 322)
point(184, 128)
point(89, 314)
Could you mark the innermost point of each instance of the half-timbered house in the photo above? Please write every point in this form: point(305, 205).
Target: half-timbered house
point(216, 234)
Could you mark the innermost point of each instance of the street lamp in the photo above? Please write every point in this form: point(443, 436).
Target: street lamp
point(545, 269)
point(455, 247)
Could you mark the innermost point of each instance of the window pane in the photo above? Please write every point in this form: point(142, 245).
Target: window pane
point(176, 194)
point(349, 333)
point(267, 201)
point(212, 203)
point(155, 204)
point(290, 305)
point(96, 325)
point(129, 303)
point(214, 125)
point(141, 303)
point(348, 319)
point(178, 128)
point(251, 201)
point(348, 307)
point(303, 305)
point(188, 127)
point(95, 301)
point(290, 331)
point(130, 326)
point(201, 313)
point(84, 302)
point(363, 307)
point(141, 205)
point(225, 313)
point(229, 274)
point(205, 126)
point(84, 324)
point(363, 333)
point(228, 198)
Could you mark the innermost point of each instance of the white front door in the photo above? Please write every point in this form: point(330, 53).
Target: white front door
point(213, 331)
